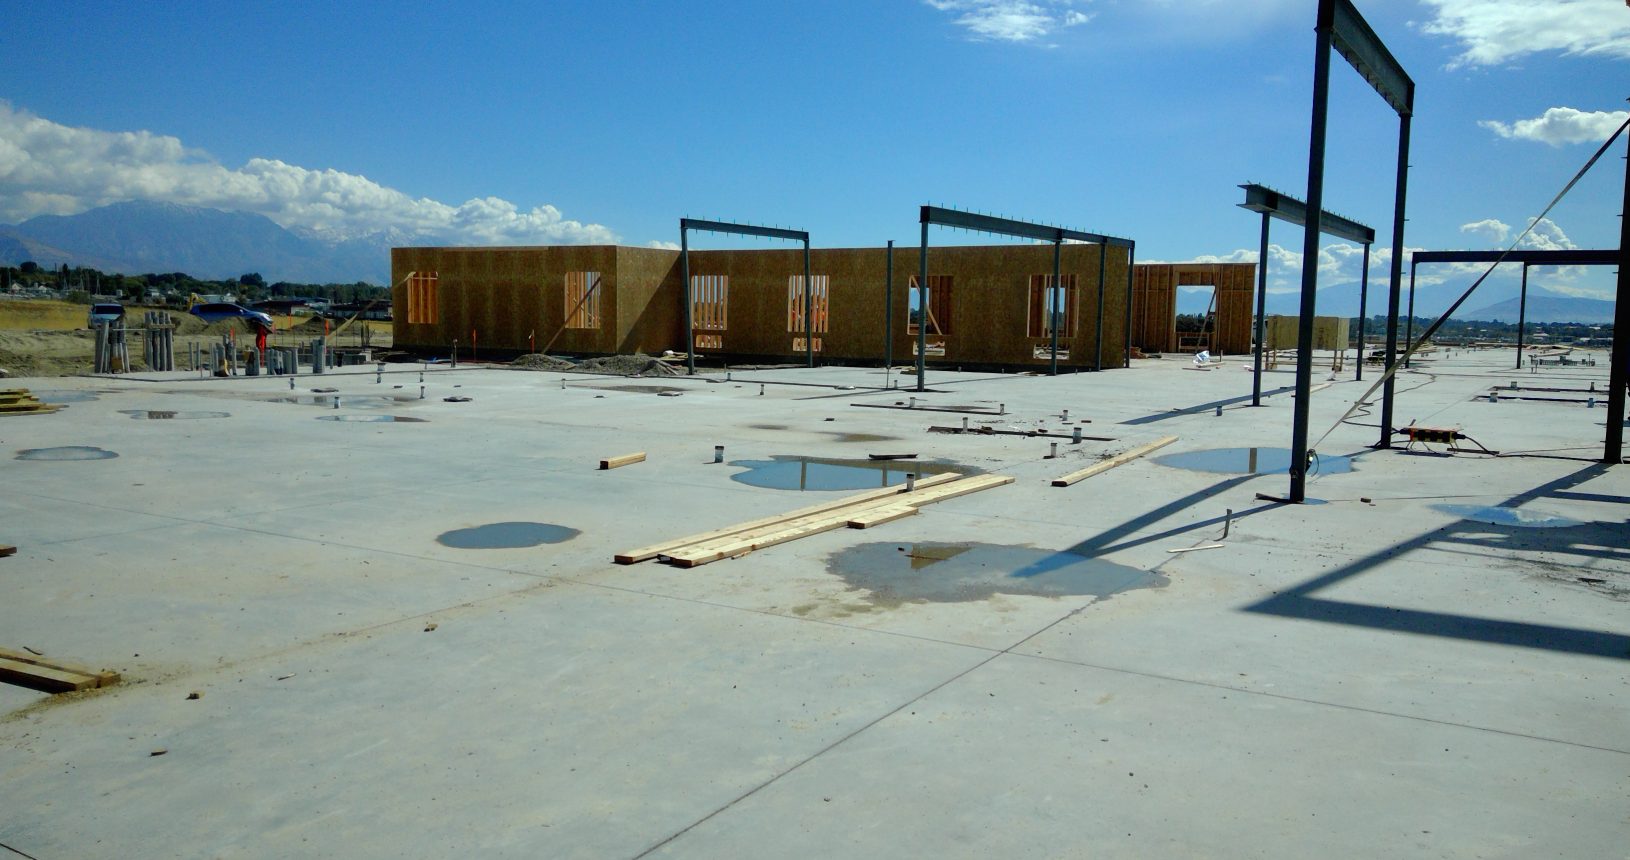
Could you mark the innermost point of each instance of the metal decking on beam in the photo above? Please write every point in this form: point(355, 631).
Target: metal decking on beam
point(742, 229)
point(1010, 227)
point(1261, 198)
point(1572, 257)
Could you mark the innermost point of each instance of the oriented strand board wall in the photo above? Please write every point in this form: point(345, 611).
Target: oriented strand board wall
point(647, 301)
point(1154, 307)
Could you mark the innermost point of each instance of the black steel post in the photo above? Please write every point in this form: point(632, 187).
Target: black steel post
point(922, 309)
point(1128, 330)
point(888, 312)
point(1409, 319)
point(1261, 310)
point(684, 275)
point(1052, 302)
point(1310, 263)
point(1522, 313)
point(1363, 305)
point(1618, 375)
point(809, 311)
point(1098, 339)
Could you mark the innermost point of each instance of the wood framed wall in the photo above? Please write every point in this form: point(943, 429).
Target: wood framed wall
point(1154, 303)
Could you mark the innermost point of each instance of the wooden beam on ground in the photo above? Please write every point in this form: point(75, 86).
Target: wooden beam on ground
point(7, 549)
point(879, 516)
point(622, 460)
point(649, 552)
point(1117, 460)
point(49, 674)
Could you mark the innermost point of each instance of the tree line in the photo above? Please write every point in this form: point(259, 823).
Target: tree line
point(83, 282)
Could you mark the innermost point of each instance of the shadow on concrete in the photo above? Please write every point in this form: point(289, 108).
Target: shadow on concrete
point(1592, 539)
point(1204, 407)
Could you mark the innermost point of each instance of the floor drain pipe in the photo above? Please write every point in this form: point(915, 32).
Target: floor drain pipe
point(1052, 454)
point(911, 481)
point(718, 453)
point(1077, 439)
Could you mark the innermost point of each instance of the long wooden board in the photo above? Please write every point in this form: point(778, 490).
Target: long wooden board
point(622, 460)
point(1117, 460)
point(50, 674)
point(648, 552)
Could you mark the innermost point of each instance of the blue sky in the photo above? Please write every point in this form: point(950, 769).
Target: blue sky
point(564, 122)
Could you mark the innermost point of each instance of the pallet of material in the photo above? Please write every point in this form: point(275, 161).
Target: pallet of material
point(18, 401)
point(1112, 462)
point(865, 510)
point(50, 675)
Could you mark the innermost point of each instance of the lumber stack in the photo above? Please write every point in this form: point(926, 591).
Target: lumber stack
point(18, 401)
point(865, 510)
point(50, 675)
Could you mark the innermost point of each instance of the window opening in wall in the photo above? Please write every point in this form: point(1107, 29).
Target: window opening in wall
point(421, 298)
point(1197, 328)
point(1055, 301)
point(710, 307)
point(583, 300)
point(939, 306)
point(819, 310)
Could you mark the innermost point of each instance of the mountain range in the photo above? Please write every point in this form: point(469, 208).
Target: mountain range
point(1544, 306)
point(139, 236)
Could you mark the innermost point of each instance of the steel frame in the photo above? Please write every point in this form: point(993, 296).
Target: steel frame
point(930, 215)
point(1612, 451)
point(1273, 204)
point(702, 225)
point(1339, 26)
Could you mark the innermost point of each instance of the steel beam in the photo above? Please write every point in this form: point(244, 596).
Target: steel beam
point(1618, 374)
point(1261, 198)
point(1261, 309)
point(1357, 43)
point(1010, 227)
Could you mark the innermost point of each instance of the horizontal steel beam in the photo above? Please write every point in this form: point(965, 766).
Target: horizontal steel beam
point(742, 229)
point(1352, 37)
point(1576, 257)
point(1010, 227)
point(1260, 198)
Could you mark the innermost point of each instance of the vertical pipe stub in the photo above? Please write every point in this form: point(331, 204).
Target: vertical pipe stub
point(911, 481)
point(718, 453)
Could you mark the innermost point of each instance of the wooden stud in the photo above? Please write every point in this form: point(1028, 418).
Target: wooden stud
point(1117, 460)
point(622, 460)
point(879, 516)
point(7, 549)
point(49, 674)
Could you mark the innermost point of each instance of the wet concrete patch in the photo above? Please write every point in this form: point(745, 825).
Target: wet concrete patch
point(640, 389)
point(516, 535)
point(1251, 461)
point(815, 473)
point(65, 396)
point(768, 426)
point(897, 573)
point(862, 437)
point(355, 401)
point(1515, 517)
point(66, 452)
point(171, 414)
point(372, 419)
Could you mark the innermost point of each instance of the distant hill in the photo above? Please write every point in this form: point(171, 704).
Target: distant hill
point(138, 237)
point(1548, 308)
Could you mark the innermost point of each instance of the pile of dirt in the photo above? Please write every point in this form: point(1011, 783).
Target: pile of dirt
point(50, 353)
point(539, 361)
point(638, 364)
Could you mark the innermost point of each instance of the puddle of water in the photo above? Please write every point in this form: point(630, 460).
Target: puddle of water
point(1515, 517)
point(506, 536)
point(1251, 461)
point(353, 401)
point(66, 452)
point(861, 437)
point(961, 572)
point(65, 396)
point(813, 473)
point(641, 389)
point(171, 414)
point(372, 419)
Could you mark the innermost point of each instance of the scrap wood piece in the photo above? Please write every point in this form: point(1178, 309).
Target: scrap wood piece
point(622, 460)
point(879, 516)
point(649, 552)
point(49, 674)
point(7, 549)
point(1117, 460)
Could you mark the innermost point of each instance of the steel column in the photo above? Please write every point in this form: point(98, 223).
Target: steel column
point(922, 308)
point(888, 313)
point(684, 274)
point(1409, 319)
point(1522, 313)
point(1261, 311)
point(1310, 268)
point(1363, 304)
point(809, 310)
point(1098, 339)
point(1053, 296)
point(1618, 375)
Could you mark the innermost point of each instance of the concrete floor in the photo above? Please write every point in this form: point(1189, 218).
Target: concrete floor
point(1354, 678)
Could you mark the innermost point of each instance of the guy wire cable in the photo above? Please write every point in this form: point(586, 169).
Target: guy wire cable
point(1430, 330)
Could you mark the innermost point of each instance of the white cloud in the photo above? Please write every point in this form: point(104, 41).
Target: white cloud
point(1493, 31)
point(1561, 125)
point(1013, 20)
point(1497, 231)
point(662, 245)
point(1546, 235)
point(48, 168)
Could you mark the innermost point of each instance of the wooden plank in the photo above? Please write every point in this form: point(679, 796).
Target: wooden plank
point(879, 516)
point(749, 536)
point(971, 484)
point(622, 460)
point(43, 678)
point(7, 549)
point(1112, 462)
point(102, 677)
point(648, 552)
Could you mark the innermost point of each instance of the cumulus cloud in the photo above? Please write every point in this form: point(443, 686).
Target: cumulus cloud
point(662, 245)
point(1491, 32)
point(1497, 231)
point(1022, 21)
point(51, 169)
point(1561, 125)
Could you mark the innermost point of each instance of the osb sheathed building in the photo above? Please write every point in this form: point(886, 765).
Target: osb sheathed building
point(987, 305)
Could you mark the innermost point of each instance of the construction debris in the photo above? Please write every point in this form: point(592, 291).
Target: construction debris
point(1112, 462)
point(622, 460)
point(50, 675)
point(18, 401)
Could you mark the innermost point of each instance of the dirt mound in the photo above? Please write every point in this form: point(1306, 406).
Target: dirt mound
point(638, 364)
point(539, 361)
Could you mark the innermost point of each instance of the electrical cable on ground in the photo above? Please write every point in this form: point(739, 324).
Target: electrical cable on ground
point(1432, 329)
